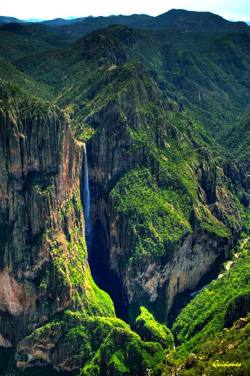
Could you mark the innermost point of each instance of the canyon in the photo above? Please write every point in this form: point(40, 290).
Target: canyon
point(124, 186)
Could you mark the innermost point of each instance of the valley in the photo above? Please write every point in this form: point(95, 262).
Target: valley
point(124, 196)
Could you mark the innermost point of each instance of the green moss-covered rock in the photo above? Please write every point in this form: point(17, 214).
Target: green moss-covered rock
point(157, 176)
point(151, 330)
point(155, 221)
point(96, 346)
point(224, 354)
point(124, 353)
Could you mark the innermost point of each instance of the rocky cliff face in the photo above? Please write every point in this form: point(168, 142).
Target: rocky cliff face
point(165, 209)
point(52, 315)
point(41, 221)
point(157, 247)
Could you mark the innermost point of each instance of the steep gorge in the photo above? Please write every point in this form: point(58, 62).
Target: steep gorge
point(133, 155)
point(44, 268)
point(157, 198)
point(52, 314)
point(98, 251)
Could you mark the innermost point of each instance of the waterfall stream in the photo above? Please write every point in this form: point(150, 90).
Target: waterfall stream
point(86, 198)
point(98, 252)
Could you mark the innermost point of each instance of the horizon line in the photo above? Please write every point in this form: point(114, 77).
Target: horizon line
point(69, 18)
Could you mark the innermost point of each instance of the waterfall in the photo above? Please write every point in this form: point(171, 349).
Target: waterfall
point(86, 199)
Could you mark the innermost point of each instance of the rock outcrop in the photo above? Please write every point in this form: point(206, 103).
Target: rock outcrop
point(96, 345)
point(52, 314)
point(43, 258)
point(144, 146)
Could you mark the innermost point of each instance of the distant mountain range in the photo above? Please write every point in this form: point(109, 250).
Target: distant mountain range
point(61, 32)
point(5, 20)
point(175, 18)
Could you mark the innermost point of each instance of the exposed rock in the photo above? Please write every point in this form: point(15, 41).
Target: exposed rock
point(117, 147)
point(4, 342)
point(238, 307)
point(40, 172)
point(89, 344)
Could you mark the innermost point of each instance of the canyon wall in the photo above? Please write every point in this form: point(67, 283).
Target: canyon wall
point(157, 249)
point(43, 258)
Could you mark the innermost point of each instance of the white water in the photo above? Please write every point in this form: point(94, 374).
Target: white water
point(86, 198)
point(196, 292)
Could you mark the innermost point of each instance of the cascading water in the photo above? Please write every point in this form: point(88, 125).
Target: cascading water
point(98, 253)
point(86, 199)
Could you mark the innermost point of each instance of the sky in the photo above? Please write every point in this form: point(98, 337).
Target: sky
point(48, 9)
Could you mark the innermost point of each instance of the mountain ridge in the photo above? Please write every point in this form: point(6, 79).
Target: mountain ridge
point(172, 18)
point(164, 116)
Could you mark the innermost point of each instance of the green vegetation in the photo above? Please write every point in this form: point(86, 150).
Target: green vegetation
point(212, 331)
point(8, 72)
point(239, 138)
point(199, 70)
point(99, 345)
point(151, 330)
point(210, 223)
point(69, 258)
point(124, 353)
point(154, 220)
point(172, 107)
point(221, 355)
point(206, 315)
point(170, 189)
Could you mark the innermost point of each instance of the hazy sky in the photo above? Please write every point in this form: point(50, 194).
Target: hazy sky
point(46, 9)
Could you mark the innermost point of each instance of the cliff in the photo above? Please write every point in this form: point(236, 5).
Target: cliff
point(44, 265)
point(51, 312)
point(169, 195)
point(163, 211)
point(213, 327)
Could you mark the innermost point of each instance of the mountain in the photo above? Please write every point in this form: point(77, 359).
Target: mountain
point(6, 20)
point(177, 19)
point(34, 20)
point(146, 128)
point(238, 140)
point(195, 21)
point(61, 21)
point(182, 62)
point(174, 19)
